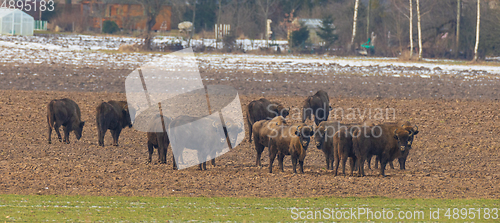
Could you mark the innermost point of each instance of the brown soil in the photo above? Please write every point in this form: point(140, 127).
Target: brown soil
point(455, 155)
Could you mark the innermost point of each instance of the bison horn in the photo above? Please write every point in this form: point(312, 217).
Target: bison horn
point(416, 128)
point(214, 124)
point(395, 130)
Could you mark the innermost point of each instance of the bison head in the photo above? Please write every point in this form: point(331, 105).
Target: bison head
point(126, 117)
point(281, 110)
point(319, 136)
point(412, 129)
point(403, 137)
point(79, 130)
point(304, 132)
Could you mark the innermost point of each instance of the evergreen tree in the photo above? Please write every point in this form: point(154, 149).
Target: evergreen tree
point(300, 36)
point(326, 32)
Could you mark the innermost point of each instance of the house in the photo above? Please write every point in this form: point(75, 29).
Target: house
point(126, 13)
point(313, 25)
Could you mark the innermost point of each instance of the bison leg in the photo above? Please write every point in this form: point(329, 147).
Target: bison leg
point(281, 156)
point(301, 166)
point(294, 164)
point(336, 161)
point(328, 162)
point(213, 161)
point(162, 154)
point(100, 134)
point(402, 163)
point(353, 165)
point(272, 156)
point(66, 134)
point(50, 129)
point(249, 131)
point(369, 162)
point(116, 135)
point(391, 165)
point(344, 161)
point(361, 166)
point(383, 163)
point(56, 128)
point(259, 148)
point(173, 161)
point(150, 151)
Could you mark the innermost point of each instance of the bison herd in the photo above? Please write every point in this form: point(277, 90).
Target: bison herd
point(268, 127)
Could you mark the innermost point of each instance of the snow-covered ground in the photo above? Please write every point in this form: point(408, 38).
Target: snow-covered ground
point(81, 50)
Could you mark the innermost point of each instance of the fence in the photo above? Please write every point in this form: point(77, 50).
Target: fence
point(40, 25)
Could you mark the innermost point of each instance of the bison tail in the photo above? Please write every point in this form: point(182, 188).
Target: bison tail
point(99, 113)
point(51, 115)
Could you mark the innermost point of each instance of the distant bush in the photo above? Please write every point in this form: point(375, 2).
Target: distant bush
point(109, 26)
point(299, 37)
point(229, 42)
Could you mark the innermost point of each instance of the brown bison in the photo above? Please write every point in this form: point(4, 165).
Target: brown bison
point(112, 115)
point(317, 105)
point(324, 139)
point(291, 140)
point(343, 148)
point(386, 141)
point(402, 160)
point(263, 109)
point(263, 131)
point(64, 112)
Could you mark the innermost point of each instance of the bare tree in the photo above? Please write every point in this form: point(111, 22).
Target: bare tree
point(151, 9)
point(355, 19)
point(457, 41)
point(411, 28)
point(419, 27)
point(477, 28)
point(193, 7)
point(265, 7)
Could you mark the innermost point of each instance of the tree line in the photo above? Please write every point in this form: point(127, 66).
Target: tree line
point(408, 28)
point(416, 28)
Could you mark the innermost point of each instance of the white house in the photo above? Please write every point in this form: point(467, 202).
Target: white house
point(15, 22)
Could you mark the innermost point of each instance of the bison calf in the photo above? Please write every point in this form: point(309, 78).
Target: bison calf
point(291, 140)
point(112, 115)
point(64, 112)
point(159, 140)
point(263, 131)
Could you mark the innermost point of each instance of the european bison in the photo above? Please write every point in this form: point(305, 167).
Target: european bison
point(343, 148)
point(112, 115)
point(64, 112)
point(159, 140)
point(263, 109)
point(402, 160)
point(291, 140)
point(317, 105)
point(205, 135)
point(263, 131)
point(324, 136)
point(386, 141)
